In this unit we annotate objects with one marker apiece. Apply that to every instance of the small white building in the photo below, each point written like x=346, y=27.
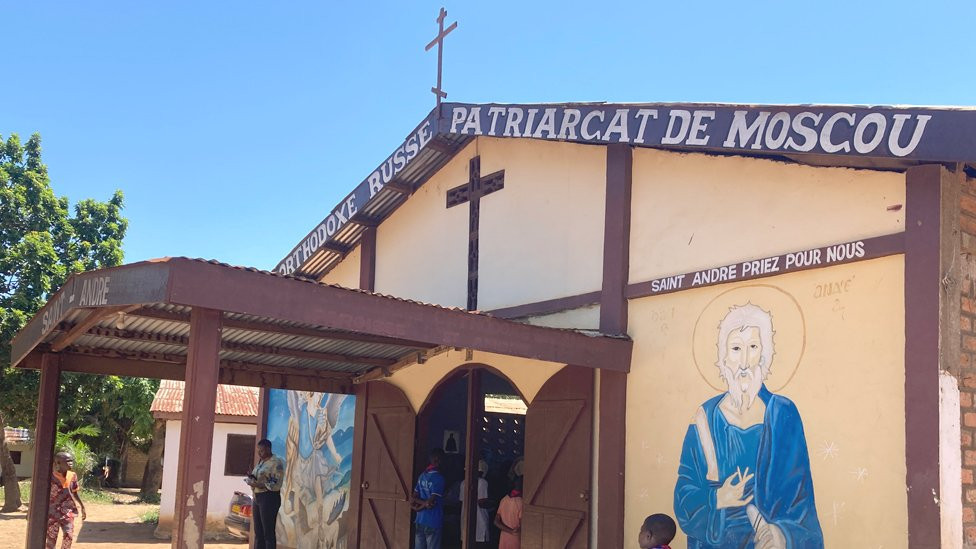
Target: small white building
x=21, y=450
x=233, y=449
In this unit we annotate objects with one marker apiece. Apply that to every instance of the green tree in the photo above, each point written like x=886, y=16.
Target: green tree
x=41, y=243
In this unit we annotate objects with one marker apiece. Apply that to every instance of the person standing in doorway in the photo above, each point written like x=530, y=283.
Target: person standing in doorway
x=484, y=505
x=265, y=480
x=427, y=501
x=64, y=504
x=509, y=518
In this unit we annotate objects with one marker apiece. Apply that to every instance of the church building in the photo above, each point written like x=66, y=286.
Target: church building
x=758, y=320
x=796, y=282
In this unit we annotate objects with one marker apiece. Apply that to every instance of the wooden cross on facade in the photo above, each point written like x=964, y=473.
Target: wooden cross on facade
x=471, y=192
x=439, y=40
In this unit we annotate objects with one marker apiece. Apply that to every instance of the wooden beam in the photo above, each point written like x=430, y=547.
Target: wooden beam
x=77, y=330
x=336, y=247
x=44, y=435
x=399, y=186
x=364, y=220
x=414, y=358
x=265, y=327
x=254, y=293
x=440, y=146
x=196, y=431
x=367, y=260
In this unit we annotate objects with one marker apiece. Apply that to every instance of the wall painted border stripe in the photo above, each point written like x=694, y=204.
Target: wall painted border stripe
x=790, y=262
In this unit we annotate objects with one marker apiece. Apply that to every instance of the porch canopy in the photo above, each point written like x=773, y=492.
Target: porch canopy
x=206, y=323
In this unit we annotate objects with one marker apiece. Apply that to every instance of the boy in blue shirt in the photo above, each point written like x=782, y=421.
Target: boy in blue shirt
x=427, y=502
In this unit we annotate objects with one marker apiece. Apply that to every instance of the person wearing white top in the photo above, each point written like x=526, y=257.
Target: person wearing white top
x=481, y=534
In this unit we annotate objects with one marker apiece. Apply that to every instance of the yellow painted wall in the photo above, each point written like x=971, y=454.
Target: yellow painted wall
x=848, y=387
x=692, y=211
x=541, y=237
x=418, y=380
x=346, y=273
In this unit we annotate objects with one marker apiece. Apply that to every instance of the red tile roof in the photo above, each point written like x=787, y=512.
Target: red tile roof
x=13, y=434
x=232, y=400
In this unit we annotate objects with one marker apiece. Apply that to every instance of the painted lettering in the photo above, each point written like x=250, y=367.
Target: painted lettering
x=585, y=130
x=803, y=259
x=697, y=135
x=644, y=115
x=842, y=252
x=667, y=284
x=94, y=292
x=780, y=122
x=673, y=135
x=458, y=115
x=618, y=125
x=473, y=122
x=894, y=138
x=740, y=132
x=547, y=124
x=494, y=113
x=512, y=122
x=808, y=133
x=571, y=119
x=874, y=119
x=825, y=138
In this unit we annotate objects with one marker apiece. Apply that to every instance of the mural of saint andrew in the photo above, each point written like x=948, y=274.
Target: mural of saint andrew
x=744, y=479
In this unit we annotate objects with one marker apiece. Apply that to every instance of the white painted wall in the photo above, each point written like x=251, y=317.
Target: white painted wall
x=222, y=488
x=584, y=318
x=950, y=462
x=346, y=273
x=541, y=237
x=26, y=466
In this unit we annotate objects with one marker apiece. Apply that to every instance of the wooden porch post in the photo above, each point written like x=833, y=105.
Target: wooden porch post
x=44, y=434
x=196, y=436
x=613, y=320
x=931, y=208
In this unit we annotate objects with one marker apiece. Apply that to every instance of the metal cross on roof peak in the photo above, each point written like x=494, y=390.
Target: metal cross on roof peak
x=439, y=40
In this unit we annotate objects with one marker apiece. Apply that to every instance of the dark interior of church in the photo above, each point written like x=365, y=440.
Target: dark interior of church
x=498, y=421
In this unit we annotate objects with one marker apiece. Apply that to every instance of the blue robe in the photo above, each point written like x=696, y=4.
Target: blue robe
x=776, y=451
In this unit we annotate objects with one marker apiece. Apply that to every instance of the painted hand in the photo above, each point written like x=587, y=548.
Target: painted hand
x=730, y=493
x=769, y=536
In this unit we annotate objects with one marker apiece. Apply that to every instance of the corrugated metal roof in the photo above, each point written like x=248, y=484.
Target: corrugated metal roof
x=232, y=400
x=146, y=327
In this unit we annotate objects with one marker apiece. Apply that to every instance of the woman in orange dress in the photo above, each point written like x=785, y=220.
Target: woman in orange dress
x=508, y=519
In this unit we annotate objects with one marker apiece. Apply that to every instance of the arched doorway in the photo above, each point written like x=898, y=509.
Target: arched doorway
x=477, y=416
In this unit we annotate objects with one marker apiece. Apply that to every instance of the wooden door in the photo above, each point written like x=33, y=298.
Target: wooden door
x=558, y=440
x=387, y=465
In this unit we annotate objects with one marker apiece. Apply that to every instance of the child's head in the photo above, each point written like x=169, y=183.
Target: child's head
x=658, y=529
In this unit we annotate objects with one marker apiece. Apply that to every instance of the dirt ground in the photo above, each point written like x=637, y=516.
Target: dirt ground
x=109, y=526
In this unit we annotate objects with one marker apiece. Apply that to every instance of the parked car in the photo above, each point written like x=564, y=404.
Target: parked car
x=238, y=520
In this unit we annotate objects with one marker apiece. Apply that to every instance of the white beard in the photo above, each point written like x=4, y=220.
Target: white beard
x=743, y=385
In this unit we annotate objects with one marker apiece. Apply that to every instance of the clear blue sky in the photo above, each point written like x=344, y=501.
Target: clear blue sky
x=234, y=127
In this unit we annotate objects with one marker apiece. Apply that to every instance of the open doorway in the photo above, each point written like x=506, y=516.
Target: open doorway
x=477, y=417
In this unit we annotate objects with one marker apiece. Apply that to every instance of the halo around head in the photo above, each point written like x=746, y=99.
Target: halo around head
x=788, y=324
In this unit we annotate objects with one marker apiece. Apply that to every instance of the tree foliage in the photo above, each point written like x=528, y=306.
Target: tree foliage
x=42, y=242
